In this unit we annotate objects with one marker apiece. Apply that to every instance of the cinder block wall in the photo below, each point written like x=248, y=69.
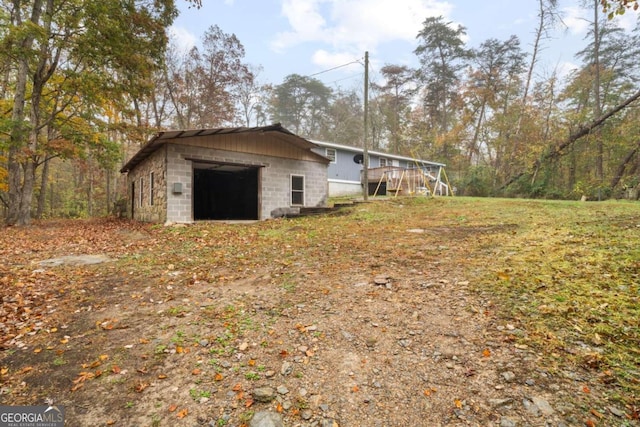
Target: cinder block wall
x=275, y=177
x=143, y=209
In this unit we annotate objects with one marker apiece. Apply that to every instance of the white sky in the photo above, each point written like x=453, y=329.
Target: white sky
x=309, y=36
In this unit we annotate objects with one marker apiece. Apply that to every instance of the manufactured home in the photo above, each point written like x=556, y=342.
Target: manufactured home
x=388, y=173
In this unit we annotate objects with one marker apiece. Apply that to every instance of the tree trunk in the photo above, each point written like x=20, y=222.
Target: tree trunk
x=620, y=172
x=474, y=149
x=597, y=102
x=90, y=192
x=20, y=165
x=108, y=190
x=44, y=182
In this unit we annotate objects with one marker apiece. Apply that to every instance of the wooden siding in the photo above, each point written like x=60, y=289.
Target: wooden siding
x=261, y=144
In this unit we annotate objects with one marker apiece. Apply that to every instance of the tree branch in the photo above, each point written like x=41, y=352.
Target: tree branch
x=582, y=131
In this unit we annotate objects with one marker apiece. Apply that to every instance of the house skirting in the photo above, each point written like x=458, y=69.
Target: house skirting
x=339, y=187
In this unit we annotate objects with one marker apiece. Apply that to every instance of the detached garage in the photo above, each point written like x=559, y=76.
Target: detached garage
x=224, y=174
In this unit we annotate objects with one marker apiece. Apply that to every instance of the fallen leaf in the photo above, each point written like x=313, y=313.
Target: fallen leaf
x=162, y=376
x=503, y=276
x=196, y=371
x=103, y=357
x=115, y=369
x=354, y=389
x=486, y=352
x=111, y=422
x=183, y=413
x=248, y=403
x=37, y=350
x=140, y=387
x=586, y=389
x=218, y=377
x=597, y=339
x=77, y=386
x=237, y=387
x=172, y=408
x=458, y=403
x=429, y=391
x=279, y=408
x=590, y=423
x=251, y=362
x=596, y=414
x=83, y=376
x=4, y=371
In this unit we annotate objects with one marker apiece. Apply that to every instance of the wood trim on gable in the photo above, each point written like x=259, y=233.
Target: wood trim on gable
x=265, y=145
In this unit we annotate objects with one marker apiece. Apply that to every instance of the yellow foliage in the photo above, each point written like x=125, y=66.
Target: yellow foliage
x=4, y=175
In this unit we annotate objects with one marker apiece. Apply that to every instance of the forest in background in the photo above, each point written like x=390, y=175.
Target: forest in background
x=83, y=83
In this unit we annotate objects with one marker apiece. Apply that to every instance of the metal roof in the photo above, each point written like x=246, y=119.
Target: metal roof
x=163, y=137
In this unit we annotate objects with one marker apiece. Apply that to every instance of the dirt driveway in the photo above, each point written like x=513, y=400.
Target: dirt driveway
x=370, y=317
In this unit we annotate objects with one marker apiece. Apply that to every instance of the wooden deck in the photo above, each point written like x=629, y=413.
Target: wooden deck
x=405, y=181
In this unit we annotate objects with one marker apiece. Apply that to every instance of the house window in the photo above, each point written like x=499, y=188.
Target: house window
x=141, y=191
x=151, y=189
x=297, y=190
x=330, y=153
x=383, y=162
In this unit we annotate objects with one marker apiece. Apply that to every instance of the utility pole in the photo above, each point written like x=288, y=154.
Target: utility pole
x=365, y=151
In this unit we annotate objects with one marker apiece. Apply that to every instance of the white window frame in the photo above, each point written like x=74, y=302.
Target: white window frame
x=334, y=158
x=292, y=191
x=382, y=162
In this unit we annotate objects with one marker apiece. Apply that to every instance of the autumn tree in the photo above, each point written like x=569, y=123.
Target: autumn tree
x=606, y=78
x=252, y=96
x=301, y=104
x=442, y=53
x=113, y=45
x=394, y=99
x=493, y=86
x=344, y=119
x=618, y=7
x=203, y=85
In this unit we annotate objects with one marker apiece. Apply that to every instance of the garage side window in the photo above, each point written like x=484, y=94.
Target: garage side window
x=141, y=191
x=330, y=153
x=151, y=188
x=297, y=190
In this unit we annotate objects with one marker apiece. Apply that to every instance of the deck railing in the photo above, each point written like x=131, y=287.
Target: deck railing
x=405, y=181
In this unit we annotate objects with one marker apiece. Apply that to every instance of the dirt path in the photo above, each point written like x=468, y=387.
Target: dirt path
x=372, y=339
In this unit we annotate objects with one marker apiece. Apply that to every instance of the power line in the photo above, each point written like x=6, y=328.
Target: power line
x=345, y=78
x=335, y=68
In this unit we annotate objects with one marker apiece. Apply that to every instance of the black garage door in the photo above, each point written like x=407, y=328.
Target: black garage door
x=223, y=191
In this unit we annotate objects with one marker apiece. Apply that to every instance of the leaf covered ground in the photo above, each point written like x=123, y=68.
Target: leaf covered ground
x=447, y=311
